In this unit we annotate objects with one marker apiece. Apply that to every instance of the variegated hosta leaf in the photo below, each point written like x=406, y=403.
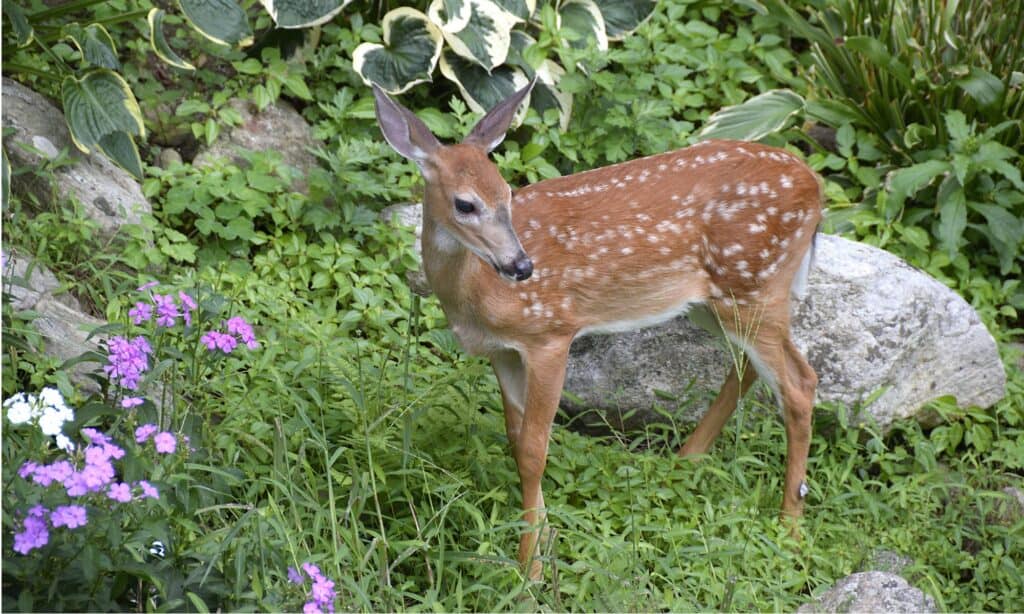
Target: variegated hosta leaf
x=754, y=118
x=94, y=43
x=222, y=21
x=486, y=36
x=98, y=107
x=408, y=56
x=23, y=32
x=523, y=9
x=545, y=94
x=482, y=90
x=623, y=16
x=159, y=44
x=584, y=18
x=450, y=15
x=303, y=13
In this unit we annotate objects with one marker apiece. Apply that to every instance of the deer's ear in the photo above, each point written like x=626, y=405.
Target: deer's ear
x=405, y=132
x=490, y=131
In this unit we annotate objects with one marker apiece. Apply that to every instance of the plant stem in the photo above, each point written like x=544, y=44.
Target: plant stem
x=42, y=74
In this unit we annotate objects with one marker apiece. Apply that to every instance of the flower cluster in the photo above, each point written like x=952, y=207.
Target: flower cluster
x=238, y=331
x=165, y=442
x=164, y=307
x=47, y=410
x=35, y=533
x=127, y=360
x=321, y=594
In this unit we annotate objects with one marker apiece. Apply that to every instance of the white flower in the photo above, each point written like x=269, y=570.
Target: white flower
x=51, y=422
x=52, y=397
x=64, y=443
x=20, y=408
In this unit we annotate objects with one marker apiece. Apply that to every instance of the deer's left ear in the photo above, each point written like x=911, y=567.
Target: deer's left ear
x=490, y=131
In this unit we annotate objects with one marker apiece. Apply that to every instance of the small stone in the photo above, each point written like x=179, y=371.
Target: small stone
x=168, y=157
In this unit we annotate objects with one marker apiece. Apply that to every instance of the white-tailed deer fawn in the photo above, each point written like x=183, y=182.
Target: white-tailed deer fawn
x=726, y=226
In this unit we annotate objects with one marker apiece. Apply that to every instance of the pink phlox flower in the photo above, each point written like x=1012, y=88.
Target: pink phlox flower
x=28, y=469
x=165, y=443
x=142, y=312
x=311, y=607
x=189, y=306
x=166, y=309
x=96, y=436
x=312, y=570
x=129, y=402
x=148, y=490
x=59, y=471
x=144, y=432
x=70, y=516
x=323, y=591
x=119, y=491
x=34, y=534
x=294, y=576
x=128, y=360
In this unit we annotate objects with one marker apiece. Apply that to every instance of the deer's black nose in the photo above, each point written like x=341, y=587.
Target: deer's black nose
x=523, y=267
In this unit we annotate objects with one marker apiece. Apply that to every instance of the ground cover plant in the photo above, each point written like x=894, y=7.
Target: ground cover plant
x=333, y=448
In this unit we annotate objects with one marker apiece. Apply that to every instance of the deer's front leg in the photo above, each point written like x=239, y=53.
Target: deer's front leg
x=543, y=370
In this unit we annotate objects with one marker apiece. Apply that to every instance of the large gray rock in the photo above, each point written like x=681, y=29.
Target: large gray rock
x=108, y=194
x=278, y=128
x=869, y=323
x=59, y=318
x=871, y=592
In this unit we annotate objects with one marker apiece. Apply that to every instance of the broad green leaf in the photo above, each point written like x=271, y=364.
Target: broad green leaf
x=119, y=147
x=98, y=104
x=486, y=37
x=303, y=13
x=754, y=118
x=412, y=45
x=984, y=87
x=905, y=182
x=158, y=43
x=480, y=89
x=23, y=32
x=222, y=21
x=952, y=213
x=846, y=136
x=94, y=43
x=956, y=126
x=584, y=18
x=621, y=17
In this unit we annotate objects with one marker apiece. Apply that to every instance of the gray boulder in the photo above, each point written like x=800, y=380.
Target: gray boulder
x=278, y=128
x=869, y=324
x=108, y=194
x=871, y=592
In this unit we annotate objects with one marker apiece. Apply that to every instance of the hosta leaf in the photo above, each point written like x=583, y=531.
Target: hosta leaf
x=584, y=18
x=159, y=44
x=486, y=37
x=303, y=13
x=984, y=87
x=23, y=32
x=754, y=118
x=450, y=15
x=98, y=104
x=94, y=43
x=546, y=95
x=522, y=9
x=412, y=45
x=480, y=89
x=623, y=16
x=119, y=147
x=222, y=21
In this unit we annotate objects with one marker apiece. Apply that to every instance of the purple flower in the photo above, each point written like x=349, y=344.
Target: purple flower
x=166, y=309
x=294, y=576
x=312, y=570
x=142, y=312
x=148, y=490
x=321, y=594
x=128, y=360
x=35, y=534
x=119, y=491
x=165, y=443
x=129, y=402
x=29, y=468
x=189, y=304
x=70, y=516
x=56, y=472
x=238, y=326
x=148, y=285
x=311, y=607
x=216, y=340
x=144, y=432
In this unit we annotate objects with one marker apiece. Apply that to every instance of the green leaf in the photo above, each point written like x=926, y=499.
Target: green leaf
x=221, y=21
x=984, y=87
x=917, y=134
x=1004, y=225
x=956, y=126
x=584, y=18
x=621, y=17
x=905, y=182
x=98, y=104
x=303, y=13
x=480, y=89
x=846, y=136
x=755, y=118
x=121, y=149
x=412, y=45
x=879, y=55
x=952, y=215
x=485, y=37
x=522, y=9
x=94, y=43
x=23, y=32
x=159, y=44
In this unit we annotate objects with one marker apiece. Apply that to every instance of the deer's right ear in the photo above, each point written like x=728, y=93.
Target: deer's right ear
x=405, y=132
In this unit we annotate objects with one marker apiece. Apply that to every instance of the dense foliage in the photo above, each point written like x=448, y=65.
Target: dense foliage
x=353, y=435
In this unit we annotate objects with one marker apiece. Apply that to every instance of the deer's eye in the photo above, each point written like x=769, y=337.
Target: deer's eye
x=464, y=206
